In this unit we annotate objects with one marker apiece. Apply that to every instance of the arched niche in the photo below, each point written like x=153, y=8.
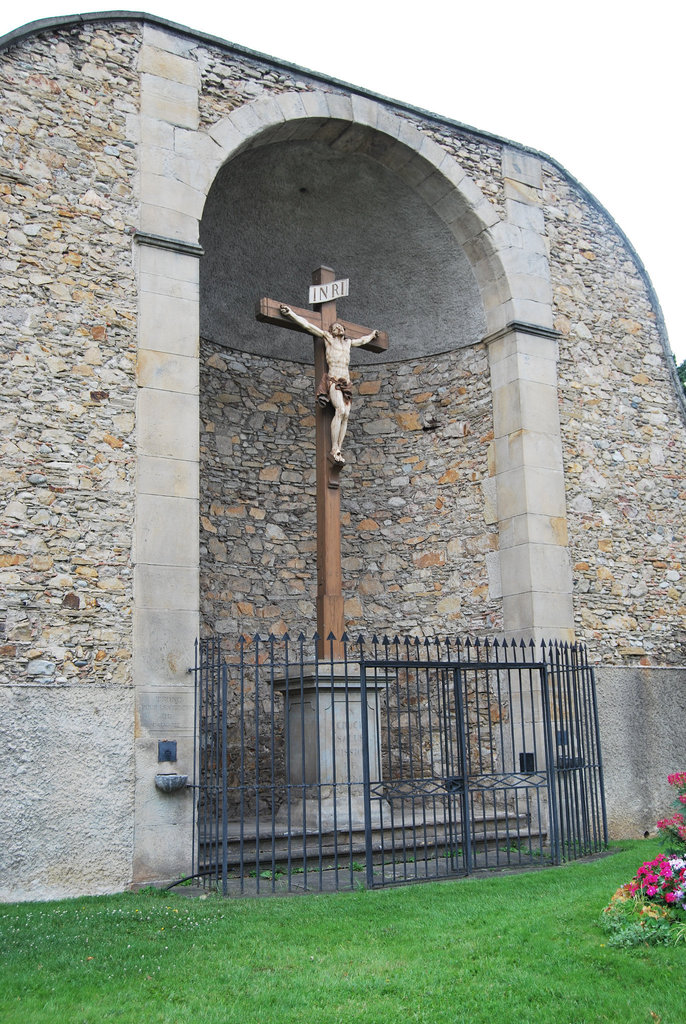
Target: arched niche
x=279, y=209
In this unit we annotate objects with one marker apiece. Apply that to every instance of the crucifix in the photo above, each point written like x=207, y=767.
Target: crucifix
x=332, y=342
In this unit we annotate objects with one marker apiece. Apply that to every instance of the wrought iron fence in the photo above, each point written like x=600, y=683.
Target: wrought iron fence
x=406, y=760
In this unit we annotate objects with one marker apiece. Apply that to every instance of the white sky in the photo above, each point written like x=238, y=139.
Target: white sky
x=598, y=85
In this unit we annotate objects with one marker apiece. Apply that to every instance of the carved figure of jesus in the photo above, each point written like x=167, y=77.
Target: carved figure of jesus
x=335, y=386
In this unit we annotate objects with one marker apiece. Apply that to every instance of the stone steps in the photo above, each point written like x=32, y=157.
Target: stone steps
x=426, y=835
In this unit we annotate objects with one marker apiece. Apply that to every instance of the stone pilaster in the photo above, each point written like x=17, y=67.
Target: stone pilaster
x=166, y=539
x=526, y=462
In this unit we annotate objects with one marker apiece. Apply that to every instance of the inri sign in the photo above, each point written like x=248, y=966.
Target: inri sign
x=329, y=292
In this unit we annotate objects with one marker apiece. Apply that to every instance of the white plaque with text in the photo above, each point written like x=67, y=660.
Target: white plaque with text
x=329, y=292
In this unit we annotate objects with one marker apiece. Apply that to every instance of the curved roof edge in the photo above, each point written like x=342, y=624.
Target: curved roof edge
x=64, y=21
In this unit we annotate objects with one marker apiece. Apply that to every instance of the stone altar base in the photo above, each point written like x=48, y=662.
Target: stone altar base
x=324, y=729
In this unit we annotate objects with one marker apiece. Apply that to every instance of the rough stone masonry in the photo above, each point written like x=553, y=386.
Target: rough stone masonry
x=519, y=468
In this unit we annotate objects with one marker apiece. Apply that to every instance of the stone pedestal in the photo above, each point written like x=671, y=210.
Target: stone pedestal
x=325, y=714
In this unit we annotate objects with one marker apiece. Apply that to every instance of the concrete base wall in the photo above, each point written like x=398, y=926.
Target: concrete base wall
x=643, y=736
x=66, y=803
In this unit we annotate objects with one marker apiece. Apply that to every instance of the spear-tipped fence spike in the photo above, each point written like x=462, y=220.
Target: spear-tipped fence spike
x=344, y=638
x=286, y=637
x=375, y=639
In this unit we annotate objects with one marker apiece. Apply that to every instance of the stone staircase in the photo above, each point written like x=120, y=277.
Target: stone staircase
x=398, y=832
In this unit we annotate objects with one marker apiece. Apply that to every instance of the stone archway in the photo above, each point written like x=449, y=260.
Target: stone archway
x=274, y=211
x=179, y=163
x=353, y=125
x=277, y=210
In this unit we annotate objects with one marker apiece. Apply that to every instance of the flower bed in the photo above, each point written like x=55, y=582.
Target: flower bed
x=651, y=908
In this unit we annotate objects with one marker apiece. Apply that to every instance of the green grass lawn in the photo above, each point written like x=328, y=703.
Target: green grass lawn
x=508, y=949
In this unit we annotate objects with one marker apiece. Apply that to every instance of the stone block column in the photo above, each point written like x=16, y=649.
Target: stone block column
x=526, y=491
x=166, y=551
x=532, y=569
x=526, y=462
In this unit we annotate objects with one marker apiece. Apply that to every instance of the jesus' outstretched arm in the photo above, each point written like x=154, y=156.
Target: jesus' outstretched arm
x=287, y=311
x=358, y=342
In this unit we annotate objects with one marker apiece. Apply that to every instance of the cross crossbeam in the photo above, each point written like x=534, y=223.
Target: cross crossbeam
x=268, y=312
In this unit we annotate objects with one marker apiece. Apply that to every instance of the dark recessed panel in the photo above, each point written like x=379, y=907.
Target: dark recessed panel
x=278, y=211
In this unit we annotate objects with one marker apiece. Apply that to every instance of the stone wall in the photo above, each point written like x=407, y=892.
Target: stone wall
x=622, y=423
x=67, y=347
x=624, y=441
x=421, y=545
x=641, y=715
x=66, y=814
x=418, y=532
x=230, y=79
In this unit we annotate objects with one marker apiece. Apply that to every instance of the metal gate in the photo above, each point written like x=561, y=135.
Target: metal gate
x=406, y=760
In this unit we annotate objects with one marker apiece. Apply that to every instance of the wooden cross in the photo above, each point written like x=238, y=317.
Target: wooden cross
x=329, y=578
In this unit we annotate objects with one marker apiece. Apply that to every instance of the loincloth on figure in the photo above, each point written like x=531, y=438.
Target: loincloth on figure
x=340, y=383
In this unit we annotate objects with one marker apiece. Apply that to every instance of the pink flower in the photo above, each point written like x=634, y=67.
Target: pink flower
x=650, y=890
